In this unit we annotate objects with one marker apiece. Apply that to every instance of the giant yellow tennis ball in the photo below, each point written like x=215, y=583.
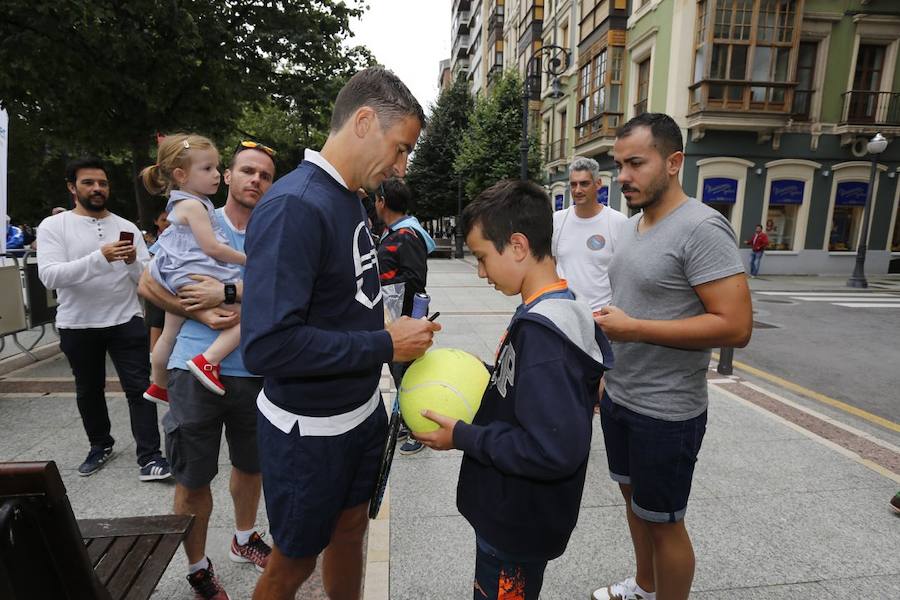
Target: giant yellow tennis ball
x=446, y=381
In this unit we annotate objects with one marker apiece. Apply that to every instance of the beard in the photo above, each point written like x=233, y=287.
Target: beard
x=90, y=206
x=652, y=193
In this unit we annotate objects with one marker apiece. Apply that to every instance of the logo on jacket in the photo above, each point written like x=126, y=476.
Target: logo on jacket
x=596, y=242
x=505, y=372
x=368, y=287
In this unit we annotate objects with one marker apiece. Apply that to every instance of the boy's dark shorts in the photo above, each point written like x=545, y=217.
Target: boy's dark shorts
x=194, y=424
x=655, y=457
x=309, y=480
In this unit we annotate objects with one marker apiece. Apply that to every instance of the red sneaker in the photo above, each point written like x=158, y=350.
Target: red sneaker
x=207, y=373
x=255, y=551
x=206, y=585
x=157, y=394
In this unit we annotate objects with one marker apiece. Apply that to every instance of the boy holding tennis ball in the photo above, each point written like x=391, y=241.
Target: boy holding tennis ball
x=526, y=451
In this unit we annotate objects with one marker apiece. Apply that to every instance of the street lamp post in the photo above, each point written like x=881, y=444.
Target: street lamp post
x=458, y=229
x=875, y=147
x=557, y=63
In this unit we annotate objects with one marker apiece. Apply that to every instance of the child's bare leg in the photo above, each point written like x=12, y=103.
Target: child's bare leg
x=227, y=341
x=159, y=358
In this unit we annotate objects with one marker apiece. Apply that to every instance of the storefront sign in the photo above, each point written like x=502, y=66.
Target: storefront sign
x=851, y=193
x=603, y=196
x=559, y=201
x=786, y=191
x=720, y=190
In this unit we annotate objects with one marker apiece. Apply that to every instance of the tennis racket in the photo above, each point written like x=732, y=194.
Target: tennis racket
x=387, y=457
x=387, y=454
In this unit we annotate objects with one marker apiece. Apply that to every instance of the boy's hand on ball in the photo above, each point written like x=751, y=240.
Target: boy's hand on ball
x=442, y=439
x=411, y=337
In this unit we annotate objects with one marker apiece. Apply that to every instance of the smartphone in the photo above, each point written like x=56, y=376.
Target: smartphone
x=126, y=236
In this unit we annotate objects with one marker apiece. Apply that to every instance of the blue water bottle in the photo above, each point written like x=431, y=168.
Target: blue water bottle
x=420, y=306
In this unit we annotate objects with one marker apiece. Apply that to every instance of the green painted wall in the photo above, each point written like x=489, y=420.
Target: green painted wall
x=840, y=50
x=662, y=19
x=838, y=70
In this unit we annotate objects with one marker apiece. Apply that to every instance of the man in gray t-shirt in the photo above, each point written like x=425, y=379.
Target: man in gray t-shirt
x=678, y=289
x=653, y=276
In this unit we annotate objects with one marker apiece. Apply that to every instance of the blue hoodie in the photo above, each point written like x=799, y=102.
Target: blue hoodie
x=526, y=451
x=410, y=221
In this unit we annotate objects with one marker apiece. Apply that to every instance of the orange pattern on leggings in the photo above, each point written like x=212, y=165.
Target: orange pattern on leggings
x=511, y=588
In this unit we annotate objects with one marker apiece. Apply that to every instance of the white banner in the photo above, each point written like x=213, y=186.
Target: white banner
x=4, y=147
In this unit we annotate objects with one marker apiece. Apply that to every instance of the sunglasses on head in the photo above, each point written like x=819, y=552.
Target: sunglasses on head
x=250, y=145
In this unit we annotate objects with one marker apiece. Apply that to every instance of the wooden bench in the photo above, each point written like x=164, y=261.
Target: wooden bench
x=443, y=248
x=46, y=553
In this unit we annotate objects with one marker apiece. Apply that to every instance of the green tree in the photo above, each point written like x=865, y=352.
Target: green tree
x=104, y=75
x=491, y=148
x=431, y=175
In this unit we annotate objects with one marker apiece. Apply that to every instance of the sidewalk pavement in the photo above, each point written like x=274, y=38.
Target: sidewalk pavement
x=776, y=511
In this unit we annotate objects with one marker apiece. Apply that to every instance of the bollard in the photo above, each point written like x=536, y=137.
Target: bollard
x=726, y=355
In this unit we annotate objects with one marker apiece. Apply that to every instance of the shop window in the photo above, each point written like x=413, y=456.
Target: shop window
x=785, y=199
x=846, y=219
x=720, y=193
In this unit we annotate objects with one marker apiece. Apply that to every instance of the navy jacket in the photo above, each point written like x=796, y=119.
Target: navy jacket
x=526, y=451
x=313, y=318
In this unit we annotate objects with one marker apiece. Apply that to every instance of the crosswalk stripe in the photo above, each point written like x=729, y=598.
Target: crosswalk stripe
x=848, y=293
x=868, y=305
x=845, y=298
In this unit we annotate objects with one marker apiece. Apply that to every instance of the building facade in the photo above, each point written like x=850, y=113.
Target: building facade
x=772, y=136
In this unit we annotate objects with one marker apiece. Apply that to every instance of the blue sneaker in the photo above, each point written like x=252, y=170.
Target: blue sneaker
x=155, y=470
x=411, y=446
x=96, y=458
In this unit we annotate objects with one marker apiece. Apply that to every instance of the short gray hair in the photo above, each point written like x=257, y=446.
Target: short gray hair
x=583, y=163
x=381, y=90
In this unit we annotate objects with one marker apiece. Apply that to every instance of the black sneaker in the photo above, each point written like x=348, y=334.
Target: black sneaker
x=155, y=470
x=402, y=433
x=96, y=458
x=411, y=446
x=206, y=585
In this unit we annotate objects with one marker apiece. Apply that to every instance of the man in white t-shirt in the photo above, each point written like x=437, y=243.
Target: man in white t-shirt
x=584, y=236
x=94, y=259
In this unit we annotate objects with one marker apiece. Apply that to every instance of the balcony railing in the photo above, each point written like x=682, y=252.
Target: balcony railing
x=495, y=72
x=460, y=46
x=602, y=125
x=461, y=23
x=640, y=107
x=556, y=150
x=495, y=22
x=802, y=104
x=742, y=96
x=871, y=108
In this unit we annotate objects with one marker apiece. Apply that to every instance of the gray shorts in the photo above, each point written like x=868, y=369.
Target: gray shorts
x=194, y=424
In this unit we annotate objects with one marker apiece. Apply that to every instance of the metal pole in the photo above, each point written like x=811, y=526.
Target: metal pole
x=525, y=98
x=726, y=356
x=858, y=279
x=458, y=236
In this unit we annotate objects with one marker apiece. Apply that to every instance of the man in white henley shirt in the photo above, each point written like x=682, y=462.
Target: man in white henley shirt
x=584, y=236
x=96, y=275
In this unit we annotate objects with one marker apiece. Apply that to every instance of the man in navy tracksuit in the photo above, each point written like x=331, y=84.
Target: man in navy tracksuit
x=526, y=451
x=316, y=333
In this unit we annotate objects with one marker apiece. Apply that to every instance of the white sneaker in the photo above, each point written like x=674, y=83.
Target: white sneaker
x=623, y=590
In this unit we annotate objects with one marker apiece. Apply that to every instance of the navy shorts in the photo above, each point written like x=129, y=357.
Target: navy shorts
x=655, y=457
x=309, y=480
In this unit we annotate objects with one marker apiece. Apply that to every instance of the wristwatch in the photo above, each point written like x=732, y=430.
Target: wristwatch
x=230, y=293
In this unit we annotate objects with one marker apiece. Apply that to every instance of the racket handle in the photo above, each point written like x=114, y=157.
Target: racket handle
x=420, y=305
